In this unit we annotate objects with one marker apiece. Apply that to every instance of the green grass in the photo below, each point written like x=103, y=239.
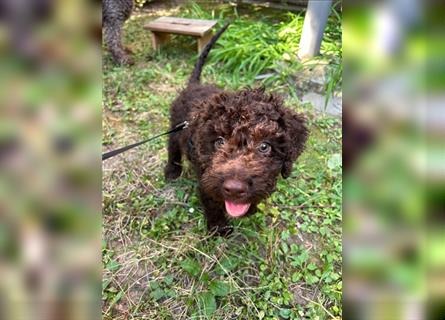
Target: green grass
x=159, y=262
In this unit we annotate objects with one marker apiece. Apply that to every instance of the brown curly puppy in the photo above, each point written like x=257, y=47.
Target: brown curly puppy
x=238, y=142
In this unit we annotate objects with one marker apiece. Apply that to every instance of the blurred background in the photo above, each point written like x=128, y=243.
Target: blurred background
x=394, y=160
x=50, y=168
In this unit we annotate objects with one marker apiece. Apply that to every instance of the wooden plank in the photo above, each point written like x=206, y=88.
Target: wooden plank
x=181, y=26
x=198, y=22
x=197, y=31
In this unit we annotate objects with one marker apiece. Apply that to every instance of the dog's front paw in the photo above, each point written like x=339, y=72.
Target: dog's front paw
x=172, y=172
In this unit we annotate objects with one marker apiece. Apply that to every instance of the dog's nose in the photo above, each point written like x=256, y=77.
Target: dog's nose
x=234, y=188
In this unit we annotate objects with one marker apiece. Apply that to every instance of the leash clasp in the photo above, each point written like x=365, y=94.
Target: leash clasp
x=182, y=125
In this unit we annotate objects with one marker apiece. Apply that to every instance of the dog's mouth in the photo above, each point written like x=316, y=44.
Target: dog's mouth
x=236, y=209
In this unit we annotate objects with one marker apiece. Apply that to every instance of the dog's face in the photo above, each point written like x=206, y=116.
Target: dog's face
x=242, y=142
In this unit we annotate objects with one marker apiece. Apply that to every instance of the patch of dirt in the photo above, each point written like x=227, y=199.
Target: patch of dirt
x=163, y=88
x=297, y=294
x=160, y=8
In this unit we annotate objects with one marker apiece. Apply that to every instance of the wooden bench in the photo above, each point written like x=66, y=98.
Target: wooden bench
x=164, y=26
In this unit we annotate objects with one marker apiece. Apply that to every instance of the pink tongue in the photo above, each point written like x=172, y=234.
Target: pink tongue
x=236, y=209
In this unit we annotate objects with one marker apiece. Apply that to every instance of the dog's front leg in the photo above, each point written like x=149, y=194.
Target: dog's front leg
x=173, y=168
x=216, y=219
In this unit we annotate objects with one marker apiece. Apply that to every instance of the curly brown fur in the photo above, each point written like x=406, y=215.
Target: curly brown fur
x=238, y=143
x=114, y=15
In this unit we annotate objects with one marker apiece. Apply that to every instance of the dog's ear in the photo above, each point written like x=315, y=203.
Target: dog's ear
x=296, y=136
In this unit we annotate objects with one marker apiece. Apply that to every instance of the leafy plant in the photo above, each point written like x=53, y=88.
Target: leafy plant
x=249, y=49
x=334, y=76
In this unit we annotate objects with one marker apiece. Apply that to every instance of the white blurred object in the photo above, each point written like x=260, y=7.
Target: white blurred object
x=391, y=21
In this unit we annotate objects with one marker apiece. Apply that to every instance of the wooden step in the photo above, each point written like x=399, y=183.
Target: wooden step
x=164, y=26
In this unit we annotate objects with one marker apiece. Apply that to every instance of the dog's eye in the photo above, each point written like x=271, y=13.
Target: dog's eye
x=219, y=142
x=264, y=147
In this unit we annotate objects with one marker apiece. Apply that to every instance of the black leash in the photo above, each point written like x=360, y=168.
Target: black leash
x=179, y=127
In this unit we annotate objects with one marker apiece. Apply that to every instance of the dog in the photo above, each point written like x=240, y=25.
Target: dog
x=238, y=144
x=114, y=15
